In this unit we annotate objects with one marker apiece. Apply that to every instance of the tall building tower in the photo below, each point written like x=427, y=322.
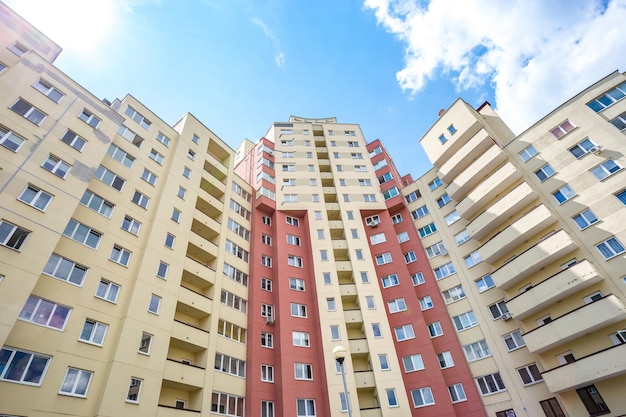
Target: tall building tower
x=533, y=265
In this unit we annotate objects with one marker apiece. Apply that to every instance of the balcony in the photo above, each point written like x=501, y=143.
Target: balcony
x=168, y=411
x=215, y=167
x=481, y=167
x=199, y=275
x=608, y=363
x=353, y=316
x=533, y=259
x=202, y=248
x=474, y=147
x=192, y=338
x=186, y=377
x=501, y=211
x=212, y=186
x=488, y=190
x=364, y=379
x=553, y=289
x=585, y=319
x=335, y=224
x=340, y=244
x=358, y=346
x=205, y=226
x=194, y=304
x=343, y=266
x=371, y=412
x=347, y=290
x=515, y=234
x=209, y=205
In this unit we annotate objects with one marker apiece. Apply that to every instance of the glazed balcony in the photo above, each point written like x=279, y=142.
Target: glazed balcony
x=553, y=289
x=194, y=304
x=533, y=259
x=364, y=379
x=496, y=214
x=485, y=163
x=474, y=147
x=605, y=364
x=578, y=322
x=194, y=338
x=199, y=275
x=515, y=234
x=186, y=377
x=488, y=190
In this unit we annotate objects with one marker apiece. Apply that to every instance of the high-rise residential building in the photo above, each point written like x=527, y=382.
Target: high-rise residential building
x=152, y=270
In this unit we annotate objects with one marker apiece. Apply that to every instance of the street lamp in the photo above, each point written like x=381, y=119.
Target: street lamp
x=339, y=353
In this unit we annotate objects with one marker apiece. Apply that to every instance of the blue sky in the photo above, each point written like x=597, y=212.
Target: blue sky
x=389, y=65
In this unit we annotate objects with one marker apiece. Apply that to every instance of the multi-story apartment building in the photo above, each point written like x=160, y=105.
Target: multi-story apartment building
x=152, y=270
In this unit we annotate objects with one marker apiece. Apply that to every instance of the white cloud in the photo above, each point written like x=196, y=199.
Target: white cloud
x=534, y=54
x=279, y=56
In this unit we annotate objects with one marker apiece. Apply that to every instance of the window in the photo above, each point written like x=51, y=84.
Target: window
x=233, y=301
x=418, y=279
x=585, y=219
x=434, y=184
x=334, y=333
x=452, y=218
x=404, y=332
x=562, y=129
x=182, y=193
x=477, y=350
x=353, y=144
x=349, y=132
x=387, y=176
x=82, y=234
x=582, y=148
x=372, y=220
x=131, y=225
x=137, y=117
x=293, y=240
x=266, y=220
x=356, y=155
x=318, y=215
x=288, y=154
x=298, y=310
x=545, y=172
x=426, y=302
x=141, y=200
x=155, y=304
x=72, y=139
x=76, y=382
x=48, y=90
x=383, y=258
x=65, y=269
x=22, y=366
x=266, y=240
x=403, y=237
x=110, y=178
x=359, y=168
x=465, y=321
x=453, y=294
x=10, y=140
x=120, y=255
x=369, y=302
x=422, y=397
x=605, y=169
x=134, y=390
x=484, y=283
x=300, y=339
x=289, y=168
x=396, y=218
x=410, y=257
x=551, y=408
x=35, y=197
x=303, y=371
x=235, y=274
x=227, y=404
x=609, y=248
x=130, y=136
x=187, y=172
x=305, y=407
x=369, y=198
x=427, y=230
x=390, y=193
x=390, y=280
x=443, y=200
x=148, y=177
x=176, y=215
x=392, y=400
x=296, y=261
x=593, y=401
x=230, y=365
x=377, y=150
x=162, y=270
x=120, y=156
x=310, y=168
x=93, y=332
x=18, y=49
x=462, y=237
x=498, y=309
x=618, y=337
x=237, y=251
x=530, y=374
x=457, y=393
x=607, y=99
x=234, y=332
x=436, y=250
x=365, y=182
x=343, y=398
x=267, y=373
x=88, y=117
x=144, y=343
x=28, y=111
x=191, y=154
x=563, y=194
x=292, y=221
x=296, y=284
x=419, y=212
x=359, y=254
x=527, y=153
x=490, y=384
x=365, y=279
x=412, y=196
x=442, y=139
x=472, y=259
x=396, y=305
x=350, y=215
x=108, y=291
x=378, y=238
x=163, y=139
x=169, y=240
x=45, y=313
x=444, y=271
x=57, y=166
x=377, y=331
x=514, y=340
x=413, y=363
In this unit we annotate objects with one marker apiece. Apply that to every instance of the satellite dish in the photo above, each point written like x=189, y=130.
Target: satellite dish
x=441, y=112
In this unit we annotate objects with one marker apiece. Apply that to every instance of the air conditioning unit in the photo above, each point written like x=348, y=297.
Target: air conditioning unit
x=269, y=320
x=595, y=149
x=372, y=223
x=506, y=316
x=443, y=251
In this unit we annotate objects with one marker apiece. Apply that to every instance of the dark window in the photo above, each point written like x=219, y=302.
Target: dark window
x=552, y=408
x=593, y=401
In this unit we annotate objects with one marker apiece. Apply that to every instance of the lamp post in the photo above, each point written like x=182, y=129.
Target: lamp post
x=339, y=353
